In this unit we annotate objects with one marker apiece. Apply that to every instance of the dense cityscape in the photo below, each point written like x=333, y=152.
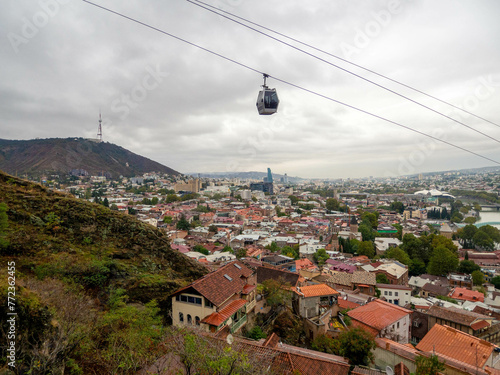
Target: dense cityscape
x=398, y=261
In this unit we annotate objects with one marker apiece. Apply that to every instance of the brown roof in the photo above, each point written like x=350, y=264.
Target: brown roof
x=438, y=290
x=455, y=314
x=456, y=344
x=222, y=284
x=266, y=273
x=357, y=277
x=378, y=314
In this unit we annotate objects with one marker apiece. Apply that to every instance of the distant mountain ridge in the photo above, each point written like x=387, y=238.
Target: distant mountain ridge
x=61, y=155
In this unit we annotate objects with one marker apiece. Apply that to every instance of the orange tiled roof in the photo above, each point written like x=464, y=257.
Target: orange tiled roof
x=303, y=263
x=217, y=318
x=316, y=290
x=467, y=295
x=378, y=314
x=457, y=345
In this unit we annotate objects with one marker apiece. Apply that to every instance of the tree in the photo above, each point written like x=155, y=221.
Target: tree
x=4, y=224
x=442, y=261
x=467, y=234
x=428, y=365
x=256, y=333
x=417, y=267
x=371, y=218
x=201, y=249
x=293, y=199
x=324, y=344
x=291, y=251
x=167, y=219
x=477, y=278
x=228, y=249
x=200, y=354
x=183, y=224
x=276, y=292
x=241, y=252
x=470, y=220
x=321, y=256
x=398, y=207
x=496, y=282
x=273, y=247
x=398, y=254
x=468, y=266
x=381, y=278
x=492, y=232
x=366, y=248
x=367, y=232
x=332, y=204
x=483, y=240
x=356, y=345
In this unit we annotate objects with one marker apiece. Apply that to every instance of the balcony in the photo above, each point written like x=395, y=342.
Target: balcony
x=251, y=305
x=236, y=326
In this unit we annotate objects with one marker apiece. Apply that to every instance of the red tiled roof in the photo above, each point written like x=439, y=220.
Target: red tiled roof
x=247, y=289
x=216, y=287
x=467, y=295
x=456, y=344
x=378, y=314
x=345, y=304
x=479, y=325
x=315, y=290
x=217, y=318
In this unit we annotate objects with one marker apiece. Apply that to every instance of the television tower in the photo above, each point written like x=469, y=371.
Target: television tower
x=99, y=129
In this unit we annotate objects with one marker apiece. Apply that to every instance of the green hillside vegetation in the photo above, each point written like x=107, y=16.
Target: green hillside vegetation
x=91, y=283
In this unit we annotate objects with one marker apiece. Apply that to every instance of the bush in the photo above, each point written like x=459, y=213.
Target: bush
x=256, y=333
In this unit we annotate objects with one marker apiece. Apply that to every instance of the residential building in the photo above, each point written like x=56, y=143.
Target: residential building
x=397, y=294
x=452, y=343
x=383, y=319
x=312, y=300
x=462, y=294
x=463, y=320
x=358, y=280
x=461, y=280
x=223, y=297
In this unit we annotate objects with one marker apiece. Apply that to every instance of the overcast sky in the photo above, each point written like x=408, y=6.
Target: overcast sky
x=63, y=61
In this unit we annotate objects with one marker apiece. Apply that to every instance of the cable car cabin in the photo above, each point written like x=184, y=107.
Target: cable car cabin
x=267, y=101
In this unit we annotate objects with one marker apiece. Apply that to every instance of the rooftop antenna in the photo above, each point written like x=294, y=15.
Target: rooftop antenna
x=99, y=129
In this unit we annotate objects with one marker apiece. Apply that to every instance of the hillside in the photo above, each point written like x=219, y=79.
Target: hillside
x=76, y=264
x=56, y=155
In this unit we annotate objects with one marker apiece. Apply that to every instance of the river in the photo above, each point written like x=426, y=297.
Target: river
x=489, y=217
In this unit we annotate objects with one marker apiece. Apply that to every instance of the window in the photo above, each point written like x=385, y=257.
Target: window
x=398, y=325
x=208, y=303
x=385, y=292
x=396, y=294
x=190, y=320
x=181, y=317
x=190, y=299
x=197, y=320
x=390, y=293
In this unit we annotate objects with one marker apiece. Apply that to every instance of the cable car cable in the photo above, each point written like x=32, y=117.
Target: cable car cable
x=288, y=83
x=346, y=70
x=350, y=62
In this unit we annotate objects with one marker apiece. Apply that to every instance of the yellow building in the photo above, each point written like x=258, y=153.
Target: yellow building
x=223, y=297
